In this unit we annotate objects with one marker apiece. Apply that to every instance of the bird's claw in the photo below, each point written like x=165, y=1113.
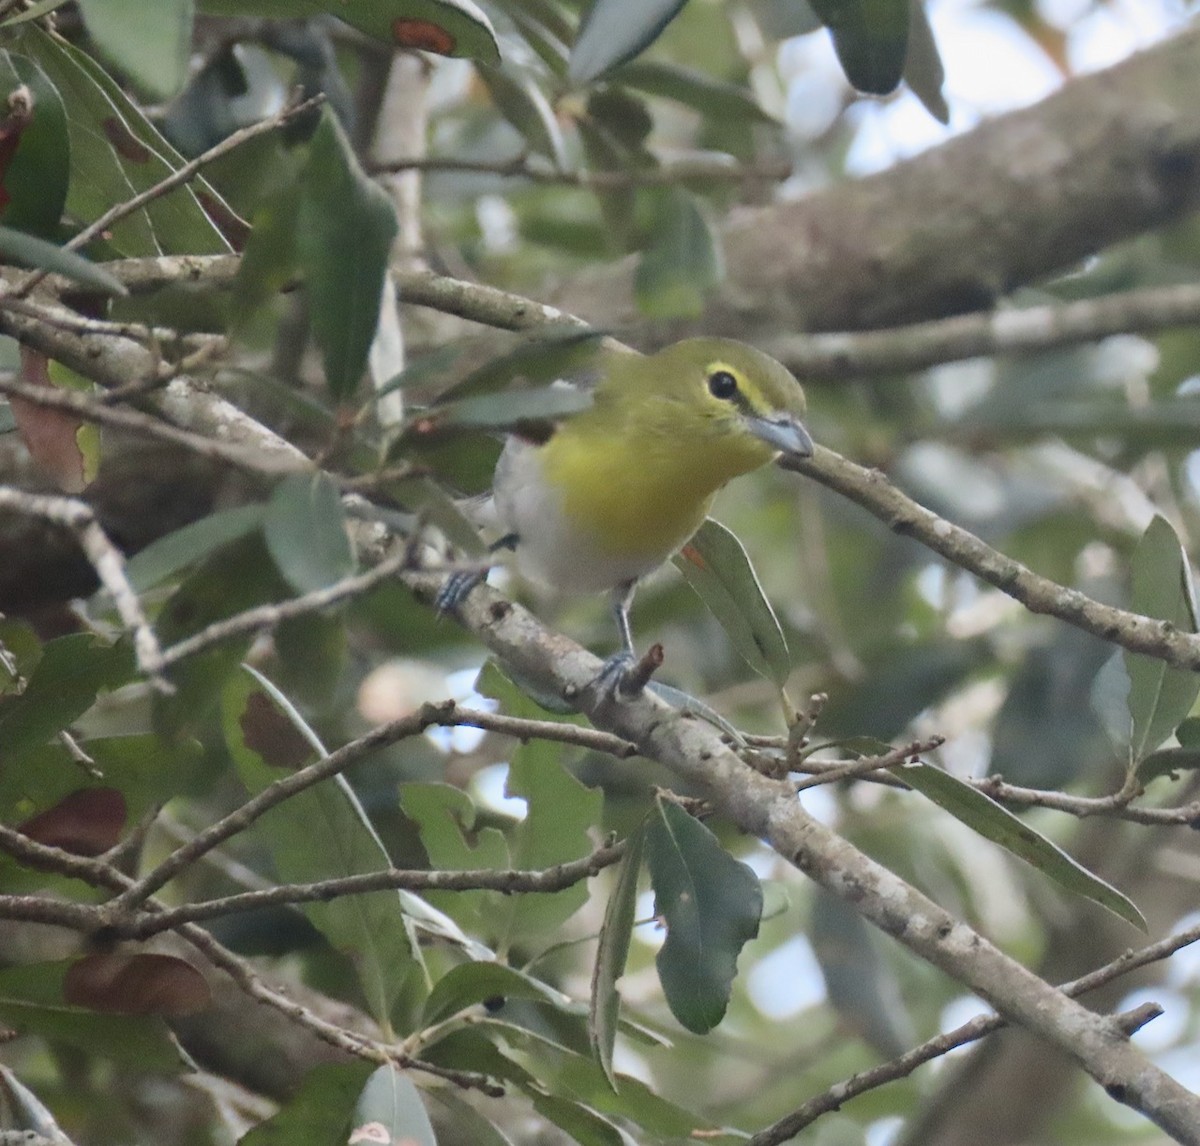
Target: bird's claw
x=455, y=590
x=613, y=672
x=624, y=675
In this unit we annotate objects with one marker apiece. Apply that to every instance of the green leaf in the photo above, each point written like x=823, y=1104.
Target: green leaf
x=345, y=225
x=1185, y=758
x=1160, y=696
x=175, y=551
x=144, y=769
x=234, y=577
x=471, y=1124
x=614, y=31
x=149, y=43
x=1167, y=761
x=320, y=833
x=580, y=1077
x=319, y=1112
x=447, y=27
x=28, y=250
x=522, y=103
x=269, y=261
x=116, y=153
x=710, y=905
x=471, y=983
x=35, y=165
x=32, y=1002
x=714, y=99
x=389, y=1100
x=870, y=38
x=511, y=410
x=682, y=264
x=861, y=986
x=455, y=841
x=305, y=531
x=923, y=70
x=582, y=1123
x=716, y=565
x=559, y=353
x=992, y=821
x=424, y=495
x=611, y=955
x=33, y=12
x=73, y=670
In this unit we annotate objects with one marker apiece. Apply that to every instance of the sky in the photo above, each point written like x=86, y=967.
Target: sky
x=991, y=67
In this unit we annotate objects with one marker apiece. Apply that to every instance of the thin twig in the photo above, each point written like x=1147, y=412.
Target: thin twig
x=977, y=1028
x=668, y=173
x=101, y=874
x=868, y=765
x=446, y=714
x=107, y=561
x=871, y=490
x=147, y=425
x=541, y=881
x=177, y=178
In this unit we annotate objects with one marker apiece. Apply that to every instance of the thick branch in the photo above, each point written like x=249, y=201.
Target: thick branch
x=768, y=809
x=1021, y=197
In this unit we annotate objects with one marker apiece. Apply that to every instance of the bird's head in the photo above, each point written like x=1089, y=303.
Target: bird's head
x=720, y=390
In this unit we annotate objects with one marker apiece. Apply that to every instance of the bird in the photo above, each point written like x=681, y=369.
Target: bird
x=618, y=488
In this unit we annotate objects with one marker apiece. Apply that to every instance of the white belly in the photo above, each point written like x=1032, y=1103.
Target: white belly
x=552, y=549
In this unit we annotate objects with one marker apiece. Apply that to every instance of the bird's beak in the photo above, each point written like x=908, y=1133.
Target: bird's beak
x=784, y=433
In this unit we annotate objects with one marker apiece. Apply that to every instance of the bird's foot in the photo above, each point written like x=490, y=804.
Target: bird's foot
x=455, y=590
x=623, y=675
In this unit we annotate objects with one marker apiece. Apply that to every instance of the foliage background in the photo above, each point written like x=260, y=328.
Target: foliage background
x=727, y=179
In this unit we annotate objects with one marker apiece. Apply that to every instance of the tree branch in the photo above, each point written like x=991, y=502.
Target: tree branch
x=108, y=562
x=768, y=809
x=902, y=1066
x=543, y=881
x=1021, y=197
x=871, y=490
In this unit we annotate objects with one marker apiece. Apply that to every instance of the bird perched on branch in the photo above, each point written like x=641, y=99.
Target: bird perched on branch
x=621, y=486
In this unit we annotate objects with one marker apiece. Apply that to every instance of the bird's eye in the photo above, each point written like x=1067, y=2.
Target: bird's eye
x=722, y=384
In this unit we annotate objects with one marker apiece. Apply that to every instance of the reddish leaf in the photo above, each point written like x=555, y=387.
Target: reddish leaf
x=268, y=732
x=235, y=229
x=138, y=984
x=124, y=142
x=422, y=34
x=85, y=823
x=49, y=435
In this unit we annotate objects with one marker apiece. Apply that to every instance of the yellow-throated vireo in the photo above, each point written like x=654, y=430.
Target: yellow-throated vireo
x=621, y=486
